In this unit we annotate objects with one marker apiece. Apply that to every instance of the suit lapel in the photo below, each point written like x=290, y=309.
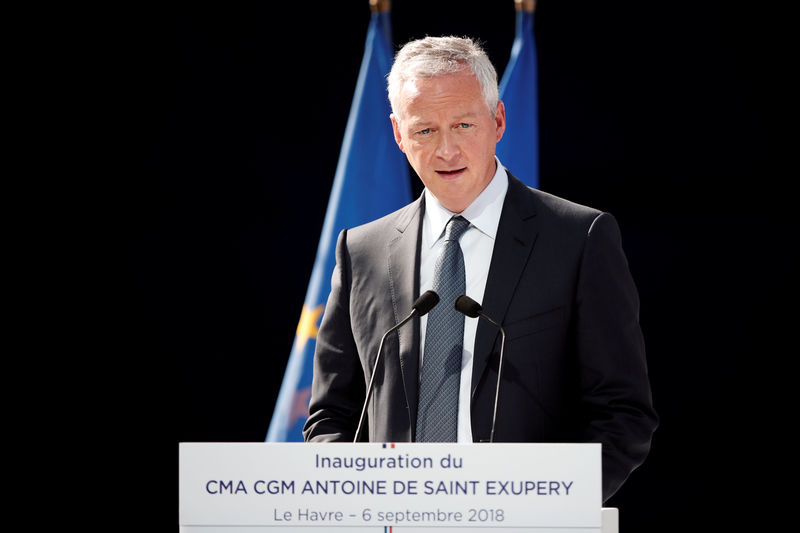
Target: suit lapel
x=516, y=236
x=403, y=265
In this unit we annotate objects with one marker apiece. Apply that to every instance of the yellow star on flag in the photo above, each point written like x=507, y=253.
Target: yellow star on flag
x=307, y=327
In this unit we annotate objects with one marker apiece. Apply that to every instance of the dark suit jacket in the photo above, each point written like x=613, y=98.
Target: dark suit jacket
x=574, y=367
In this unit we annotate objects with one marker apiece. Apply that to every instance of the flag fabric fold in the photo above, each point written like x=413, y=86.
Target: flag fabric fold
x=518, y=150
x=371, y=181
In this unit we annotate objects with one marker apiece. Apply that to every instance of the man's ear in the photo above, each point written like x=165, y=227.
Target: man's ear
x=500, y=119
x=398, y=138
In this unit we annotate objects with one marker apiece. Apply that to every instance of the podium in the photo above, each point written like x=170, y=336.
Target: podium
x=392, y=487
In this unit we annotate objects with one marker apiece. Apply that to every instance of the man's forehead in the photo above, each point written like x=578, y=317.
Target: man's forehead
x=447, y=89
x=411, y=89
x=422, y=119
x=413, y=85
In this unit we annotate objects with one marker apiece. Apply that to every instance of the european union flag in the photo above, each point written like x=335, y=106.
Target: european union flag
x=371, y=180
x=518, y=150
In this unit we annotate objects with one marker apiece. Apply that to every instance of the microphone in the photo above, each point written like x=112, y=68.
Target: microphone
x=466, y=305
x=421, y=306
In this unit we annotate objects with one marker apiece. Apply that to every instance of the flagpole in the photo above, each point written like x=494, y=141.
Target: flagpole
x=522, y=5
x=380, y=6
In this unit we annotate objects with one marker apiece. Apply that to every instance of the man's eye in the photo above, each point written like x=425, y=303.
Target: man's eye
x=425, y=131
x=464, y=125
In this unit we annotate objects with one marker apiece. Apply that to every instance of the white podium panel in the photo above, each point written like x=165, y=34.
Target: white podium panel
x=296, y=487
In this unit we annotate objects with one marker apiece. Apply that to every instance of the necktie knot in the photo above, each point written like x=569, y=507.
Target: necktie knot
x=456, y=227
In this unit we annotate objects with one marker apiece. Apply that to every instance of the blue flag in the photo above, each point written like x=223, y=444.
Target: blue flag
x=518, y=150
x=371, y=181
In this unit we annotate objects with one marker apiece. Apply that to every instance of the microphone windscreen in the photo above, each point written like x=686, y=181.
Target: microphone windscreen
x=468, y=306
x=426, y=302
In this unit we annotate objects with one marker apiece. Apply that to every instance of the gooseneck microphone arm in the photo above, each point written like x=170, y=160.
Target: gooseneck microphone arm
x=466, y=305
x=421, y=306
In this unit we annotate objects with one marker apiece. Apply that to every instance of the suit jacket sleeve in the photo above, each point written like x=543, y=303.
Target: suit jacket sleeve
x=616, y=398
x=338, y=389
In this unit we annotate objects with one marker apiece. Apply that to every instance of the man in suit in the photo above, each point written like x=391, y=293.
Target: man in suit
x=552, y=272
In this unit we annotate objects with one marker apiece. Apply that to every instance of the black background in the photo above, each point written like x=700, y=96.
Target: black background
x=664, y=114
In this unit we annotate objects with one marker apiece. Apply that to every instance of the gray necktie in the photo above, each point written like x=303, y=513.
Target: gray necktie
x=437, y=416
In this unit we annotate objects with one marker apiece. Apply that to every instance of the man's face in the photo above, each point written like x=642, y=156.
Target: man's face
x=449, y=136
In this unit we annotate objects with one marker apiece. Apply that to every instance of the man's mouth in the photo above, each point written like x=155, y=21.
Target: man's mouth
x=451, y=173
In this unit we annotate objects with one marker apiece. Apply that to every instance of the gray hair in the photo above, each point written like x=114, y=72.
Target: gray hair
x=437, y=56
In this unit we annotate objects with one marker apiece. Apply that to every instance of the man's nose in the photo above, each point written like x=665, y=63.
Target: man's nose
x=448, y=147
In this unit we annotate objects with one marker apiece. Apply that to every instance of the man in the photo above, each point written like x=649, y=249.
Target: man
x=553, y=273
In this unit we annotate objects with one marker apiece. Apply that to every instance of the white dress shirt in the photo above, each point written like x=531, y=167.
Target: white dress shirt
x=477, y=244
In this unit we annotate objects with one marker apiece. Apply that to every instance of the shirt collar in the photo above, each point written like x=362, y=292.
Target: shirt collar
x=483, y=213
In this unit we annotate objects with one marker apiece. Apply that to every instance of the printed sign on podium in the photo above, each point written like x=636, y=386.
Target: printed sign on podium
x=269, y=487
